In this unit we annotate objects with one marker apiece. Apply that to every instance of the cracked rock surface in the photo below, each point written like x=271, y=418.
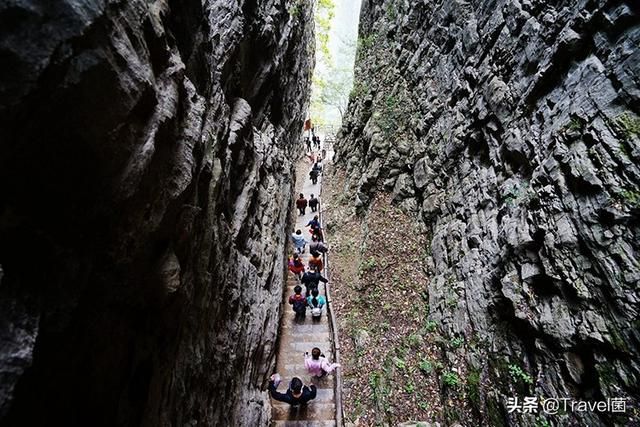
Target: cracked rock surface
x=511, y=130
x=146, y=168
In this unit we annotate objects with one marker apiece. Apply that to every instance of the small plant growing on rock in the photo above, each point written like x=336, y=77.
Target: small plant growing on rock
x=374, y=379
x=624, y=150
x=425, y=367
x=369, y=264
x=632, y=198
x=575, y=124
x=367, y=41
x=541, y=422
x=359, y=90
x=414, y=340
x=450, y=379
x=410, y=387
x=456, y=342
x=628, y=124
x=399, y=363
x=294, y=11
x=473, y=388
x=431, y=325
x=392, y=12
x=517, y=373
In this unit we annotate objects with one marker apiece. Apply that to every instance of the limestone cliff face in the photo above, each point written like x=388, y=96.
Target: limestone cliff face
x=511, y=129
x=145, y=178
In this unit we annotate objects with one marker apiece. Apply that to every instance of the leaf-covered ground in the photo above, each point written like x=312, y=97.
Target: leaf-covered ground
x=392, y=353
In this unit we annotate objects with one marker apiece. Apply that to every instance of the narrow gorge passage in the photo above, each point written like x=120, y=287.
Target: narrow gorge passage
x=482, y=208
x=299, y=336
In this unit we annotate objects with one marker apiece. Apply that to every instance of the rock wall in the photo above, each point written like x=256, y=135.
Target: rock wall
x=146, y=169
x=511, y=129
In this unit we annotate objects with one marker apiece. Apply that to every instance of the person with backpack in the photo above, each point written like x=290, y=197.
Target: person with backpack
x=311, y=279
x=317, y=364
x=317, y=233
x=316, y=261
x=301, y=204
x=317, y=246
x=313, y=203
x=298, y=302
x=297, y=394
x=313, y=174
x=296, y=266
x=299, y=241
x=314, y=223
x=316, y=301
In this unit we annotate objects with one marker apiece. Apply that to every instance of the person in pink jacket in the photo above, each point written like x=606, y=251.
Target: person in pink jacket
x=317, y=364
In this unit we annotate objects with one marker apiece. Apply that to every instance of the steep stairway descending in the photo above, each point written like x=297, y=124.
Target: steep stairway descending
x=300, y=336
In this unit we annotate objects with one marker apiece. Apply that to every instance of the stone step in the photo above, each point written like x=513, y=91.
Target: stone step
x=290, y=370
x=317, y=334
x=312, y=411
x=304, y=423
x=306, y=324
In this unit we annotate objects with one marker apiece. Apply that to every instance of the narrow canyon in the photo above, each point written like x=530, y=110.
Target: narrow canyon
x=486, y=168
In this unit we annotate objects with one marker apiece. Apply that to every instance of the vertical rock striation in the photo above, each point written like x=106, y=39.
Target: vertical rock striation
x=512, y=130
x=146, y=155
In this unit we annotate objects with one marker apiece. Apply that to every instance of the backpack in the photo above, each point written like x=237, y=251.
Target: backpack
x=299, y=306
x=315, y=310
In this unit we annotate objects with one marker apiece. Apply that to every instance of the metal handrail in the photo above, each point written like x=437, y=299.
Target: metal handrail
x=333, y=324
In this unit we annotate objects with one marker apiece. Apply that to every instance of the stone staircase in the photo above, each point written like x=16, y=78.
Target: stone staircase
x=298, y=336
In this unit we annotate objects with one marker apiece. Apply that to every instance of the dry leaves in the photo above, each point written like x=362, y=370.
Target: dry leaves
x=378, y=284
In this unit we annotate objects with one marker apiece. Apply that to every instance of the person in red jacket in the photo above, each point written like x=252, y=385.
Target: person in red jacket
x=298, y=302
x=316, y=261
x=296, y=266
x=301, y=204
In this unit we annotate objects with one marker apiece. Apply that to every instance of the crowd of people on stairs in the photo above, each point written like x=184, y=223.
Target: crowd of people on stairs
x=310, y=276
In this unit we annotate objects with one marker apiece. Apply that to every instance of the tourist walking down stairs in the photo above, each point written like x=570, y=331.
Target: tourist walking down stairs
x=317, y=364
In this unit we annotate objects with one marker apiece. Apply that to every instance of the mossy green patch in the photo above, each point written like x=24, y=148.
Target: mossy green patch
x=473, y=388
x=628, y=124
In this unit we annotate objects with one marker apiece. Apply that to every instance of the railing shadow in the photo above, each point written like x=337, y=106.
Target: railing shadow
x=333, y=324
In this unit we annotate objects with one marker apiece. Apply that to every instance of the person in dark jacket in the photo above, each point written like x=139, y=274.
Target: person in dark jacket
x=314, y=176
x=311, y=279
x=315, y=228
x=317, y=233
x=313, y=203
x=297, y=394
x=317, y=246
x=314, y=223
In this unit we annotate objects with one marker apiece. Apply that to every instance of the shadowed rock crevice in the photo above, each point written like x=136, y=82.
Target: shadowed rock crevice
x=144, y=195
